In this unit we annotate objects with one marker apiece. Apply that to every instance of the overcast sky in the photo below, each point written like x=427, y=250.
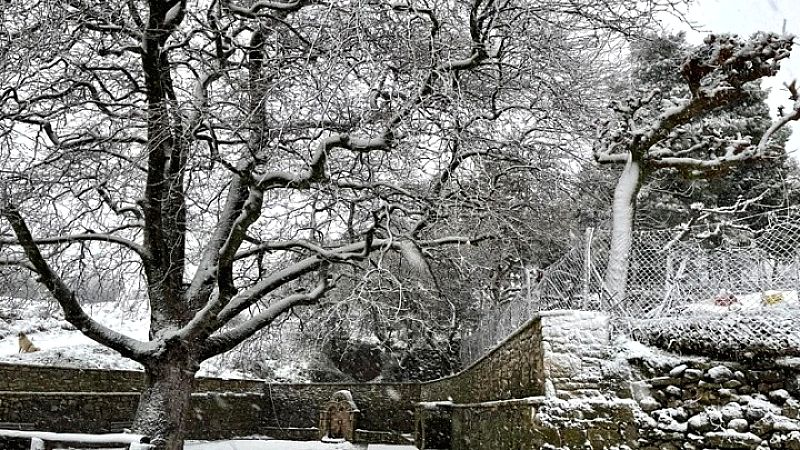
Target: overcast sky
x=745, y=17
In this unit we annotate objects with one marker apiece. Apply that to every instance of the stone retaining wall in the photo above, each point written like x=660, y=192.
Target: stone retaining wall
x=702, y=404
x=515, y=396
x=540, y=422
x=100, y=401
x=513, y=369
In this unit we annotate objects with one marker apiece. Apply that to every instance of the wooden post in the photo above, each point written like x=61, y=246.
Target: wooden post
x=37, y=444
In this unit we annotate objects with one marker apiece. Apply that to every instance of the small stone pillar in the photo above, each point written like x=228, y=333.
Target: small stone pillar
x=337, y=419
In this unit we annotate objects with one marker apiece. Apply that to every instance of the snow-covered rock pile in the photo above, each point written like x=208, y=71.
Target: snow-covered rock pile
x=704, y=405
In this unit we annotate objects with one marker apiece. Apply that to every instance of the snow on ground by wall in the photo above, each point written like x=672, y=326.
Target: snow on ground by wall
x=289, y=445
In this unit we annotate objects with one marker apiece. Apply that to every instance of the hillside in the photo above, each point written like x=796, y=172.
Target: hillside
x=63, y=346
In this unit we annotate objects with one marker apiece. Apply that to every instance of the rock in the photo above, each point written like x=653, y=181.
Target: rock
x=745, y=399
x=678, y=371
x=764, y=445
x=732, y=384
x=706, y=385
x=679, y=414
x=779, y=396
x=649, y=404
x=705, y=421
x=729, y=394
x=731, y=411
x=757, y=409
x=693, y=374
x=639, y=390
x=791, y=409
x=732, y=440
x=674, y=391
x=673, y=426
x=763, y=425
x=786, y=425
x=792, y=441
x=719, y=374
x=739, y=425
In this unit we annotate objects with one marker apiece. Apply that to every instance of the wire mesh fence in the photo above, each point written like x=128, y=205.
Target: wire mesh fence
x=725, y=291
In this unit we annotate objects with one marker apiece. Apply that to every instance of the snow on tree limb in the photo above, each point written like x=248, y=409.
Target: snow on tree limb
x=717, y=75
x=648, y=135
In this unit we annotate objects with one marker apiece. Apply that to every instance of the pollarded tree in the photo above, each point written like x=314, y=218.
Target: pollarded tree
x=659, y=130
x=228, y=153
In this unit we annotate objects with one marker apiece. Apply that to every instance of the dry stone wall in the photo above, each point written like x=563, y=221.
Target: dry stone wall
x=705, y=404
x=101, y=401
x=513, y=369
x=33, y=378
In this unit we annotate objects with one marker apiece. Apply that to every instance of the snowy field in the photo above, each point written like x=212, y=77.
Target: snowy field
x=63, y=346
x=60, y=343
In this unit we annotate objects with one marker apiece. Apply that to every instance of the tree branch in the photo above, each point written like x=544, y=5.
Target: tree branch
x=229, y=339
x=73, y=312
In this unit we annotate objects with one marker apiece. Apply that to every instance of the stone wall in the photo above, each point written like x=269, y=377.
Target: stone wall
x=597, y=396
x=518, y=395
x=559, y=382
x=382, y=406
x=99, y=401
x=33, y=378
x=577, y=347
x=700, y=404
x=540, y=422
x=88, y=412
x=513, y=369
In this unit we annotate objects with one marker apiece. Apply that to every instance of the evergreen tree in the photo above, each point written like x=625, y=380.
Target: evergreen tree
x=735, y=193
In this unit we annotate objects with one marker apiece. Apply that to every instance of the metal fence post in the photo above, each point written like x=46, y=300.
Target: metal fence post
x=587, y=271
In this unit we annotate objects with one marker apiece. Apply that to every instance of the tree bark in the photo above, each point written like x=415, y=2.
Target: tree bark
x=164, y=404
x=623, y=209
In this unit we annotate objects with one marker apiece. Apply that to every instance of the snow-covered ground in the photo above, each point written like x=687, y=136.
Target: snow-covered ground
x=289, y=445
x=63, y=346
x=60, y=343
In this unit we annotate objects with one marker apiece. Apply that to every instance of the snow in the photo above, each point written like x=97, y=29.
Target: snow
x=234, y=444
x=289, y=445
x=63, y=346
x=754, y=301
x=74, y=437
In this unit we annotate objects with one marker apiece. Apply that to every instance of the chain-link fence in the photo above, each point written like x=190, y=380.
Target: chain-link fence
x=722, y=290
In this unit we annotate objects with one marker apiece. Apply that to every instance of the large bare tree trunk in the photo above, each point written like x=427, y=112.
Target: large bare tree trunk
x=623, y=209
x=164, y=403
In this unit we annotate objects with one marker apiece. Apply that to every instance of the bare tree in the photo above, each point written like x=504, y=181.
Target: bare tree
x=227, y=153
x=658, y=131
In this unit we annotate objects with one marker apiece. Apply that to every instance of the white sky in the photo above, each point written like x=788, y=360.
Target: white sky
x=744, y=17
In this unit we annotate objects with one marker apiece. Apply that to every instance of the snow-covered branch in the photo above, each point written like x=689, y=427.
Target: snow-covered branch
x=716, y=75
x=648, y=135
x=229, y=339
x=84, y=237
